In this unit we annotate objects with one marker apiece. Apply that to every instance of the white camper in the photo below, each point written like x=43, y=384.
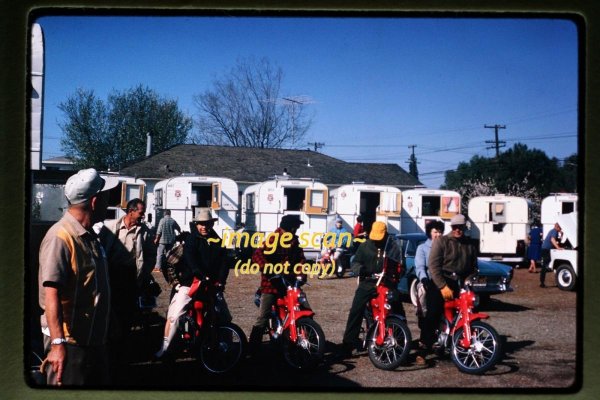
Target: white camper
x=372, y=202
x=183, y=194
x=500, y=224
x=420, y=206
x=564, y=261
x=556, y=205
x=263, y=205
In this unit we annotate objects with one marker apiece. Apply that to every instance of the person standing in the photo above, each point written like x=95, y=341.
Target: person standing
x=431, y=297
x=74, y=289
x=552, y=241
x=203, y=258
x=165, y=238
x=342, y=244
x=535, y=246
x=130, y=253
x=269, y=290
x=379, y=251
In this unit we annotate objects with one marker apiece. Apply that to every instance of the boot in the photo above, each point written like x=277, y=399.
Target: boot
x=255, y=340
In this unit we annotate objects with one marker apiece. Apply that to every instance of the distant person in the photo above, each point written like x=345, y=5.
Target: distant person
x=534, y=250
x=358, y=232
x=165, y=238
x=552, y=241
x=429, y=296
x=342, y=245
x=74, y=289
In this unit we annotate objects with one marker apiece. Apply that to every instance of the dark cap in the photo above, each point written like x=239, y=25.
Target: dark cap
x=289, y=222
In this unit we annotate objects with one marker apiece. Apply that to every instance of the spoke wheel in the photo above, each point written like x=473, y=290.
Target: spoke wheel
x=483, y=353
x=395, y=348
x=222, y=350
x=309, y=348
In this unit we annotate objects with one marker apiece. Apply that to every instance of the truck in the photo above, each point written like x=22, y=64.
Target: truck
x=564, y=261
x=264, y=203
x=182, y=195
x=500, y=225
x=372, y=202
x=420, y=206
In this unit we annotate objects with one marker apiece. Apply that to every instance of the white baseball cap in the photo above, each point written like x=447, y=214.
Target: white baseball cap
x=85, y=184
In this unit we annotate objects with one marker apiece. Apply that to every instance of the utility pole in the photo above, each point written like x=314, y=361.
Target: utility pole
x=497, y=143
x=317, y=145
x=412, y=162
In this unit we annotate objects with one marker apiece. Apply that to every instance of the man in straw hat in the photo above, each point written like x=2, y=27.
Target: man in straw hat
x=74, y=287
x=201, y=259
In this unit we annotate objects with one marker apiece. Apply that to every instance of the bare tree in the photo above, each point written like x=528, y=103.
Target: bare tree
x=244, y=109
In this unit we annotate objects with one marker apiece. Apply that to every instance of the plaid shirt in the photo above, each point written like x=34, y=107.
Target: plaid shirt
x=166, y=229
x=293, y=255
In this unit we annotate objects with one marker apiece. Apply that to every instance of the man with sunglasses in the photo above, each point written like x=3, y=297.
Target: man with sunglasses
x=453, y=258
x=202, y=258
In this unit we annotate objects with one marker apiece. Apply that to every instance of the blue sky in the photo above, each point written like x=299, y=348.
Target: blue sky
x=378, y=85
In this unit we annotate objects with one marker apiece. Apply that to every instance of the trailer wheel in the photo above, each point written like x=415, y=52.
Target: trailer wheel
x=565, y=277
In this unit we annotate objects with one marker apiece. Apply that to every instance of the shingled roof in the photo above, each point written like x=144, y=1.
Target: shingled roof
x=244, y=164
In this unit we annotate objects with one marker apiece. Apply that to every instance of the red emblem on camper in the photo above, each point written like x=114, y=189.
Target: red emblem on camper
x=270, y=197
x=343, y=194
x=178, y=193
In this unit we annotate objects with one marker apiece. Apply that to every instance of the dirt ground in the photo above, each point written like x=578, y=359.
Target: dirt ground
x=538, y=327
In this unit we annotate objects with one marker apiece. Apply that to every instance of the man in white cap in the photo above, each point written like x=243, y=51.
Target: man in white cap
x=202, y=259
x=453, y=258
x=74, y=287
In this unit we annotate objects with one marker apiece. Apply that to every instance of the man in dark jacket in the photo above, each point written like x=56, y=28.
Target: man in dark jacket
x=203, y=257
x=270, y=291
x=378, y=252
x=453, y=258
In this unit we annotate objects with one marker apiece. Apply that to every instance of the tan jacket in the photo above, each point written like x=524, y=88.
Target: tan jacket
x=144, y=249
x=451, y=258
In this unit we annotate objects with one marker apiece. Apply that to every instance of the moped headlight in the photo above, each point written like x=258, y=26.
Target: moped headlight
x=302, y=299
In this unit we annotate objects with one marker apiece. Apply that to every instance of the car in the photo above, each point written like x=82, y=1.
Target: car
x=493, y=277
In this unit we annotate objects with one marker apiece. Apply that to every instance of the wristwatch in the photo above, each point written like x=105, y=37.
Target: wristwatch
x=58, y=341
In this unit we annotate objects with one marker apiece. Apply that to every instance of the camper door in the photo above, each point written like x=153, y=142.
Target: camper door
x=390, y=204
x=216, y=196
x=131, y=191
x=450, y=206
x=316, y=201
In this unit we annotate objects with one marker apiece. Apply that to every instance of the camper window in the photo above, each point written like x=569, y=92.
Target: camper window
x=250, y=201
x=316, y=198
x=294, y=199
x=158, y=198
x=431, y=205
x=497, y=212
x=567, y=207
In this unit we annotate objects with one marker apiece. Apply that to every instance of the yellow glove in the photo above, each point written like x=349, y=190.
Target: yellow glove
x=447, y=293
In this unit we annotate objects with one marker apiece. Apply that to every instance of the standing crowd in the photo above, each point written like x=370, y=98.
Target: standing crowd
x=91, y=277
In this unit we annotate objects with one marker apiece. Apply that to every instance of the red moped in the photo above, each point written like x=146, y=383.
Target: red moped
x=218, y=345
x=473, y=344
x=388, y=339
x=292, y=325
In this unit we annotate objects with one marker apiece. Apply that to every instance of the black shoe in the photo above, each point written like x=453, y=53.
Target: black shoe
x=542, y=285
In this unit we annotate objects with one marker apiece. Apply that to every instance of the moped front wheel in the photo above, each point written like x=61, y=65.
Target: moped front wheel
x=222, y=349
x=308, y=350
x=482, y=354
x=395, y=347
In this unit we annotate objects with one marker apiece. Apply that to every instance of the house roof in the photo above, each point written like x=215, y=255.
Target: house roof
x=245, y=164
